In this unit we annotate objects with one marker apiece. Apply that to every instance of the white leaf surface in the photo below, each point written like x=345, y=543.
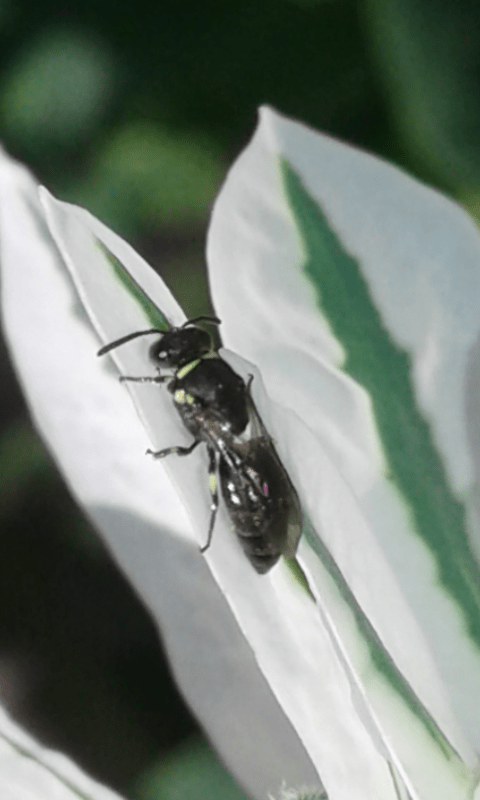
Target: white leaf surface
x=29, y=771
x=419, y=255
x=89, y=423
x=276, y=618
x=367, y=676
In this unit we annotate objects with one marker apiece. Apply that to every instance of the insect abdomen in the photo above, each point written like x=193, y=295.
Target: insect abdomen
x=256, y=495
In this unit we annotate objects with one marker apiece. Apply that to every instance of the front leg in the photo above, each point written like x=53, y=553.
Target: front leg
x=146, y=379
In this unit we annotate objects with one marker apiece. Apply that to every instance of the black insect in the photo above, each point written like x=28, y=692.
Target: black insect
x=216, y=406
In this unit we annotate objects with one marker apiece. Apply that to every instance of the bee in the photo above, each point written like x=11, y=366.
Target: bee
x=216, y=406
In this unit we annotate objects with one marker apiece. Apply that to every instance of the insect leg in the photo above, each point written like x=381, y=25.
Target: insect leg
x=212, y=475
x=146, y=379
x=179, y=451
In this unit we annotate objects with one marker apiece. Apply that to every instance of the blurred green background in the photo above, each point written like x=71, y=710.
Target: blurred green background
x=135, y=110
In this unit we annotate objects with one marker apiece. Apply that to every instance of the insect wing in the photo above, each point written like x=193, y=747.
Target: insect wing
x=290, y=502
x=257, y=429
x=258, y=463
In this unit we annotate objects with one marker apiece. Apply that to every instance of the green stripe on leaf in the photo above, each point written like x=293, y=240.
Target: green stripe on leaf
x=416, y=470
x=152, y=313
x=384, y=370
x=379, y=657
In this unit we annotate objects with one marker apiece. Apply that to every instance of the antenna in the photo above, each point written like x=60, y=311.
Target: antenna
x=107, y=347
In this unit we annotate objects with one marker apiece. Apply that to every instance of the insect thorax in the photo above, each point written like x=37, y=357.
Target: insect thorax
x=210, y=384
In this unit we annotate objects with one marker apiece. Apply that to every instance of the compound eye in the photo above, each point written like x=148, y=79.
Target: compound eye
x=158, y=352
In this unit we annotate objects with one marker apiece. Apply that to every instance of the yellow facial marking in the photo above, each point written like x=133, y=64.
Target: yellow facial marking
x=179, y=396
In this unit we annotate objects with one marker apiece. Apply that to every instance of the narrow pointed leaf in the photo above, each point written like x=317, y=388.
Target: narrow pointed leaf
x=88, y=420
x=29, y=771
x=374, y=292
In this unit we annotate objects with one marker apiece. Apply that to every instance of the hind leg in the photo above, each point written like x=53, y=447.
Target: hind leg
x=213, y=485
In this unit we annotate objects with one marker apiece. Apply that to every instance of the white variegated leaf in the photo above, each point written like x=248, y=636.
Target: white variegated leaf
x=29, y=771
x=353, y=292
x=369, y=337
